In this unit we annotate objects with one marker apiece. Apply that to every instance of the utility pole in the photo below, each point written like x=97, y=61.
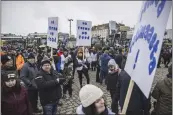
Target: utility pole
x=70, y=20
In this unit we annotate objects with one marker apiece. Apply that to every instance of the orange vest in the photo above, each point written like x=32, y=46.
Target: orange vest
x=19, y=62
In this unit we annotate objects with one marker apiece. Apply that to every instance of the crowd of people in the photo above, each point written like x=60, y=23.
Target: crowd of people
x=32, y=74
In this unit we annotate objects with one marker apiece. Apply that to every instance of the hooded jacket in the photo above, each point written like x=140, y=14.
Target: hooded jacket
x=163, y=94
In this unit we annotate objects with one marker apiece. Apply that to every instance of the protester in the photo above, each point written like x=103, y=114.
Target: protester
x=82, y=68
x=98, y=66
x=163, y=94
x=7, y=64
x=104, y=59
x=68, y=74
x=27, y=75
x=14, y=97
x=94, y=60
x=62, y=59
x=138, y=103
x=48, y=82
x=112, y=79
x=19, y=61
x=92, y=101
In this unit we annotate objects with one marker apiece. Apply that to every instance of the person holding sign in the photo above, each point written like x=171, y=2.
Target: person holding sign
x=138, y=104
x=81, y=67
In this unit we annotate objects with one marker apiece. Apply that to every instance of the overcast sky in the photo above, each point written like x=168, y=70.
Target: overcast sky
x=21, y=17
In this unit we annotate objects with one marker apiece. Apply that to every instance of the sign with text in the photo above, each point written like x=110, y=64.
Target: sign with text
x=83, y=33
x=144, y=49
x=52, y=35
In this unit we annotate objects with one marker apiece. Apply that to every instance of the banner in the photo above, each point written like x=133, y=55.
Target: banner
x=83, y=37
x=146, y=43
x=52, y=35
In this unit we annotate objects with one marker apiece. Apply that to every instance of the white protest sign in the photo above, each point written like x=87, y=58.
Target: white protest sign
x=146, y=43
x=52, y=35
x=83, y=33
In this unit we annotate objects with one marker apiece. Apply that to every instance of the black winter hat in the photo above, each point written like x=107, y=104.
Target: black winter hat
x=5, y=59
x=31, y=56
x=5, y=76
x=45, y=61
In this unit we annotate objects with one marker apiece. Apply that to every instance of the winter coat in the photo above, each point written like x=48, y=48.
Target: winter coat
x=81, y=64
x=16, y=103
x=138, y=102
x=112, y=79
x=80, y=112
x=104, y=59
x=48, y=87
x=19, y=62
x=163, y=94
x=27, y=75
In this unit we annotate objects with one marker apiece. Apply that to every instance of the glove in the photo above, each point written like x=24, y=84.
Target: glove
x=60, y=80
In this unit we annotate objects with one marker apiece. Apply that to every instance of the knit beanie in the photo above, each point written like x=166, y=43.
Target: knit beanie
x=31, y=56
x=89, y=94
x=5, y=76
x=45, y=60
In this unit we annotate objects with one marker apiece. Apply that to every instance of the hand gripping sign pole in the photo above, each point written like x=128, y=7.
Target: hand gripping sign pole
x=147, y=38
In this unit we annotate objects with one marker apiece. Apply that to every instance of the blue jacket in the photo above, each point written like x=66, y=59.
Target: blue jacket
x=104, y=59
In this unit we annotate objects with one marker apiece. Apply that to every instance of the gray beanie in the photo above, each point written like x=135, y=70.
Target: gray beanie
x=89, y=94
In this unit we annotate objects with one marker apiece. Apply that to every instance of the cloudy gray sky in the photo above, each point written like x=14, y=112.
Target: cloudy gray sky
x=21, y=17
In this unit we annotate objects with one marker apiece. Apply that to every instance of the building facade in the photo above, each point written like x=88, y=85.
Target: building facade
x=103, y=30
x=100, y=30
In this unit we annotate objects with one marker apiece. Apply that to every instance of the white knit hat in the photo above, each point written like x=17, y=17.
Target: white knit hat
x=89, y=94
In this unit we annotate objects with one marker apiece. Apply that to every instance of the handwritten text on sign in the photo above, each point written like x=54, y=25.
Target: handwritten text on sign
x=52, y=32
x=160, y=6
x=83, y=33
x=147, y=33
x=144, y=49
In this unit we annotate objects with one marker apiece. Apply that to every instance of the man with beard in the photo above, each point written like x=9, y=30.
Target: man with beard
x=27, y=75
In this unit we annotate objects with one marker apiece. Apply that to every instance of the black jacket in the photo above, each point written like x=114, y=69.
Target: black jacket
x=48, y=87
x=112, y=79
x=138, y=102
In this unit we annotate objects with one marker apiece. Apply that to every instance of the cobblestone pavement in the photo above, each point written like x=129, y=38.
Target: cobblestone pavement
x=70, y=105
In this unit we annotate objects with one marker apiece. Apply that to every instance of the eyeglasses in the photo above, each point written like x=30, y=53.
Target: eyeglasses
x=46, y=65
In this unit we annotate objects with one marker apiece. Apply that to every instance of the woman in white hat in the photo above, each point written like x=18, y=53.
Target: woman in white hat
x=92, y=101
